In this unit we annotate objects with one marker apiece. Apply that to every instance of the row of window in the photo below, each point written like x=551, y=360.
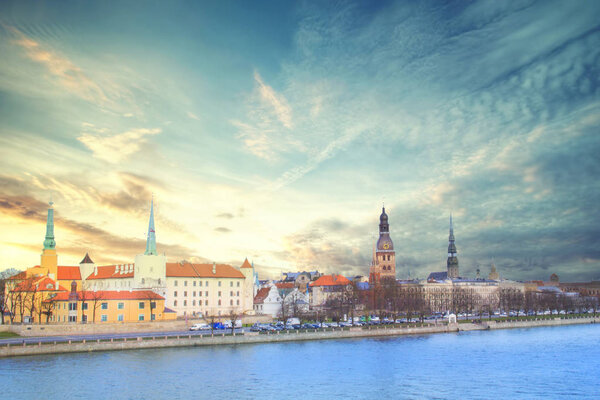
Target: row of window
x=185, y=303
x=104, y=318
x=185, y=283
x=185, y=293
x=104, y=306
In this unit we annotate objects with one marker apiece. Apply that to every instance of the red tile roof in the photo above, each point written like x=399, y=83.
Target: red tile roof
x=111, y=295
x=285, y=285
x=246, y=264
x=202, y=271
x=68, y=273
x=261, y=295
x=20, y=275
x=38, y=284
x=109, y=272
x=331, y=280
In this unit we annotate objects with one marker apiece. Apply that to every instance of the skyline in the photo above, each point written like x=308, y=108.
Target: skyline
x=276, y=134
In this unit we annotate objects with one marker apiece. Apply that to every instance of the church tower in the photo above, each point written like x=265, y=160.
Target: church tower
x=452, y=262
x=49, y=259
x=151, y=268
x=384, y=257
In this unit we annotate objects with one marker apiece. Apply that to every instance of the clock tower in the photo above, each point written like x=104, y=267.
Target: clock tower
x=384, y=257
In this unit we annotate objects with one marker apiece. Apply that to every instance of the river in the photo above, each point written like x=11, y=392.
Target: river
x=551, y=362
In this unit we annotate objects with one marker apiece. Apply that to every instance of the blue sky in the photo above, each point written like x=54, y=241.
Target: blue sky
x=276, y=130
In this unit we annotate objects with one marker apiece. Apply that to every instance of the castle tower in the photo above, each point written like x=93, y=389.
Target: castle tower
x=86, y=267
x=49, y=259
x=150, y=270
x=384, y=257
x=247, y=305
x=452, y=262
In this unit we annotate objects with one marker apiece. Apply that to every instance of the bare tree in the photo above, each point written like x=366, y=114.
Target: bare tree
x=211, y=319
x=48, y=306
x=96, y=296
x=233, y=317
x=151, y=298
x=7, y=283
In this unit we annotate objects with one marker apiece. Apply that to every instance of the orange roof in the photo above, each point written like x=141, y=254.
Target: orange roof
x=39, y=284
x=109, y=272
x=246, y=264
x=202, y=271
x=331, y=280
x=261, y=295
x=20, y=275
x=68, y=273
x=111, y=295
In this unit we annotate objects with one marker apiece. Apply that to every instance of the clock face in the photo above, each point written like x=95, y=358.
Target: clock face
x=386, y=246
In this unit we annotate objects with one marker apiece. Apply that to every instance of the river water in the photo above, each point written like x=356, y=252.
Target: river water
x=552, y=362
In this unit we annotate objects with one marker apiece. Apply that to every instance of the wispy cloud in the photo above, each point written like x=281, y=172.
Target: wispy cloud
x=70, y=76
x=114, y=149
x=276, y=101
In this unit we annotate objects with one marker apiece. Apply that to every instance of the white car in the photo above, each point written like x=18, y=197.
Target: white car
x=199, y=327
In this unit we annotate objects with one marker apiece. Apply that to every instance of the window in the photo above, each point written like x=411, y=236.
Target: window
x=141, y=317
x=200, y=294
x=219, y=301
x=175, y=284
x=185, y=294
x=194, y=303
x=238, y=302
x=120, y=318
x=200, y=283
x=219, y=293
x=104, y=318
x=84, y=318
x=194, y=283
x=231, y=293
x=185, y=303
x=184, y=283
x=153, y=317
x=84, y=306
x=72, y=318
x=206, y=294
x=194, y=294
x=238, y=293
x=238, y=284
x=175, y=303
x=152, y=305
x=104, y=306
x=230, y=284
x=72, y=307
x=206, y=283
x=175, y=293
x=120, y=306
x=206, y=302
x=230, y=302
x=141, y=305
x=219, y=283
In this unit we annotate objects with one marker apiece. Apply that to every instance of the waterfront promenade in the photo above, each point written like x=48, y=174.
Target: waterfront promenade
x=146, y=341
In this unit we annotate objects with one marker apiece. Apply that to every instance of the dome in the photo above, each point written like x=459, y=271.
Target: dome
x=384, y=217
x=385, y=243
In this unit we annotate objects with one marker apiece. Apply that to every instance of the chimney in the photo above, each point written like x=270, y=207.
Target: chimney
x=214, y=268
x=95, y=270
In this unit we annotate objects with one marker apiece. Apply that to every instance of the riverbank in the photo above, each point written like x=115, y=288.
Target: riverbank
x=72, y=346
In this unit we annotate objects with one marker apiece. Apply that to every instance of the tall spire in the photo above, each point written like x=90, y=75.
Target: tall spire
x=151, y=241
x=49, y=242
x=452, y=262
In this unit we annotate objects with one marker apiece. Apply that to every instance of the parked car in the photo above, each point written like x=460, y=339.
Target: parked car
x=227, y=324
x=199, y=327
x=218, y=325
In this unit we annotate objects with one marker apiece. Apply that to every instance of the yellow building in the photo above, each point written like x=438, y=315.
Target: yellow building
x=109, y=306
x=26, y=296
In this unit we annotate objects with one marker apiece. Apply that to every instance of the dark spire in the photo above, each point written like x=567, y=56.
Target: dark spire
x=452, y=262
x=86, y=259
x=383, y=221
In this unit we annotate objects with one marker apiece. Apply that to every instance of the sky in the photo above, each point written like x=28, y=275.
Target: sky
x=277, y=130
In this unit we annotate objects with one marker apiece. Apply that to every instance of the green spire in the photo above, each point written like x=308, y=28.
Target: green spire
x=49, y=243
x=151, y=241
